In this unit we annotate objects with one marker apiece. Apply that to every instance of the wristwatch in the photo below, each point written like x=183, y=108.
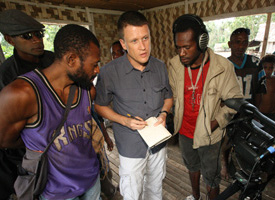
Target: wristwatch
x=163, y=111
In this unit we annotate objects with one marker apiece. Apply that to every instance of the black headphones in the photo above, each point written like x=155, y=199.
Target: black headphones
x=203, y=37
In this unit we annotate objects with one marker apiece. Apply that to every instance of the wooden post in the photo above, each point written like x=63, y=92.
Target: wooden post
x=90, y=17
x=186, y=6
x=2, y=57
x=267, y=27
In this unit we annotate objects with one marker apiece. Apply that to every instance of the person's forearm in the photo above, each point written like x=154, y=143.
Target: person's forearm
x=168, y=103
x=108, y=113
x=166, y=107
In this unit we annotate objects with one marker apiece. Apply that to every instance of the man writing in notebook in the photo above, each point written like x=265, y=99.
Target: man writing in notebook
x=138, y=85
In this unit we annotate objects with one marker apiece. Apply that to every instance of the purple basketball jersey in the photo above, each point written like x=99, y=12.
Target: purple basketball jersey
x=73, y=164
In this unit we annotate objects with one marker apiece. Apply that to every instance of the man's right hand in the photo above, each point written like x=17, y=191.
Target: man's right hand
x=135, y=124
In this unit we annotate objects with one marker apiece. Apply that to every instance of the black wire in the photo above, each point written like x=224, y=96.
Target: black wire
x=204, y=112
x=250, y=176
x=216, y=173
x=223, y=134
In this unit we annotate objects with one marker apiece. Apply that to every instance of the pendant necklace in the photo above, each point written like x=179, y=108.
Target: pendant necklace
x=193, y=101
x=194, y=86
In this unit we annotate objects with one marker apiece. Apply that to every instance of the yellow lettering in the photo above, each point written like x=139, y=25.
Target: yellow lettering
x=79, y=129
x=60, y=138
x=72, y=133
x=87, y=125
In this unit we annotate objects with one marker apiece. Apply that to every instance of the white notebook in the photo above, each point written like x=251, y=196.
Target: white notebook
x=154, y=135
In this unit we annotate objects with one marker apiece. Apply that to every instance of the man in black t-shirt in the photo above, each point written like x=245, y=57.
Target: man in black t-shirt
x=26, y=35
x=248, y=73
x=246, y=66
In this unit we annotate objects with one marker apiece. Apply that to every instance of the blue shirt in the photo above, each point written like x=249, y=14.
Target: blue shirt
x=134, y=92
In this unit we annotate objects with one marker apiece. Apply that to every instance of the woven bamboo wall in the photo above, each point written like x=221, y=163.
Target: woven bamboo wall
x=106, y=33
x=104, y=24
x=161, y=20
x=46, y=11
x=161, y=31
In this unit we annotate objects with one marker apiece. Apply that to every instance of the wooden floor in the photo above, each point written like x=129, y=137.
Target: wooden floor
x=176, y=185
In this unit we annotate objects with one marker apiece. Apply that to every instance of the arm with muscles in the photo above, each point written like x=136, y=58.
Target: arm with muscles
x=18, y=107
x=110, y=114
x=231, y=89
x=168, y=103
x=110, y=144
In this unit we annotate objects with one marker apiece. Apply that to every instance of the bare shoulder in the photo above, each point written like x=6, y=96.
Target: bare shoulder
x=18, y=107
x=19, y=95
x=18, y=89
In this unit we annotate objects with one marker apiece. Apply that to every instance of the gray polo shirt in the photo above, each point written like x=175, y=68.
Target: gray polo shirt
x=132, y=92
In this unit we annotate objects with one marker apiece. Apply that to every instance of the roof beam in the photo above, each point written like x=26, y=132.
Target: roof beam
x=2, y=57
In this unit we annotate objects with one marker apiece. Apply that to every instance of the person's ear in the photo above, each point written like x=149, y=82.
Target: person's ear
x=229, y=44
x=9, y=39
x=122, y=42
x=71, y=59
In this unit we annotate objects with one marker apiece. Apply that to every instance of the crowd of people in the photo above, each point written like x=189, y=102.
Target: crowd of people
x=35, y=84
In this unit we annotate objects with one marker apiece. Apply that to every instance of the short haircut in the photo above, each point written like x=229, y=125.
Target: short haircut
x=116, y=42
x=268, y=59
x=73, y=38
x=184, y=23
x=133, y=18
x=240, y=30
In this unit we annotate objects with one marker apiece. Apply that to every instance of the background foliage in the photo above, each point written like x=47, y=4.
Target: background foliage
x=50, y=31
x=220, y=30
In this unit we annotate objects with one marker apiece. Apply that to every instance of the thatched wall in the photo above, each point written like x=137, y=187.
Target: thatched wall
x=106, y=32
x=103, y=23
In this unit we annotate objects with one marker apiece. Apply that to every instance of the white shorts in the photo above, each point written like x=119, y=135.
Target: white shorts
x=141, y=178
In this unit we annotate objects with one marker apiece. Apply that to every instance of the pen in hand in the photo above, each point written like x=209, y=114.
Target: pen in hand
x=133, y=117
x=140, y=125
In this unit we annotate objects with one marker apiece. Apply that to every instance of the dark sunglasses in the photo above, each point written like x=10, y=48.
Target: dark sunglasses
x=29, y=36
x=241, y=30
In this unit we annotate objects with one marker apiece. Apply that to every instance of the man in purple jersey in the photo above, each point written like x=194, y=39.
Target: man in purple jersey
x=25, y=34
x=33, y=105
